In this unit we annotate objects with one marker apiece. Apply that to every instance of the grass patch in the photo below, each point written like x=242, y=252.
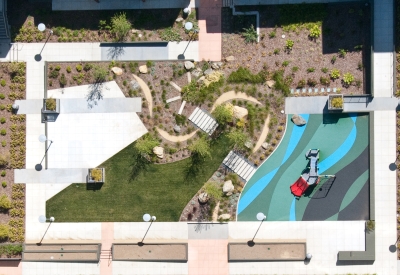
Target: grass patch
x=162, y=190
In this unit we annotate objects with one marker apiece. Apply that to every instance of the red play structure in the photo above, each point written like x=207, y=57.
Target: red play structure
x=300, y=186
x=309, y=177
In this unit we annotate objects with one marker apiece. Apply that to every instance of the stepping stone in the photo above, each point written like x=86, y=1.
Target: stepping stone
x=173, y=99
x=291, y=91
x=316, y=90
x=328, y=90
x=322, y=90
x=334, y=90
x=173, y=84
x=310, y=90
x=189, y=77
x=181, y=108
x=304, y=90
x=298, y=91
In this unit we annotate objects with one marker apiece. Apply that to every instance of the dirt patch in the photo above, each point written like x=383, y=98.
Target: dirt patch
x=266, y=251
x=150, y=252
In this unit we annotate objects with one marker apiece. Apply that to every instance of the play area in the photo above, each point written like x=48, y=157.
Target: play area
x=319, y=171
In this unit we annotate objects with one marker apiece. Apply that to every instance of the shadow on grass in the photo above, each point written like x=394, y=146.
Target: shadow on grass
x=140, y=164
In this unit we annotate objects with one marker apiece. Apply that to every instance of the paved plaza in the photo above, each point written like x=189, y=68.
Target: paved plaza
x=86, y=139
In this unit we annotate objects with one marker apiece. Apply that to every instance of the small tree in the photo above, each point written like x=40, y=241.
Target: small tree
x=250, y=35
x=146, y=144
x=5, y=202
x=238, y=138
x=99, y=74
x=213, y=190
x=223, y=114
x=4, y=231
x=200, y=147
x=120, y=26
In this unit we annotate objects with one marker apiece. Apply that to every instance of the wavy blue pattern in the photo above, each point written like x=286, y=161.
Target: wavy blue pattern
x=262, y=183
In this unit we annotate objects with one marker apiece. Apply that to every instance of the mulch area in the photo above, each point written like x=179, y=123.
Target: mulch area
x=346, y=26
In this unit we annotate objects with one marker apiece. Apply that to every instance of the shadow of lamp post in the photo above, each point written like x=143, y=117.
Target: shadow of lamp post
x=261, y=217
x=147, y=218
x=43, y=219
x=42, y=28
x=43, y=138
x=188, y=27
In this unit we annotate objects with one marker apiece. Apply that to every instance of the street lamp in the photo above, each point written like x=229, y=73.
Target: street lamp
x=147, y=218
x=43, y=138
x=188, y=27
x=43, y=219
x=261, y=217
x=42, y=28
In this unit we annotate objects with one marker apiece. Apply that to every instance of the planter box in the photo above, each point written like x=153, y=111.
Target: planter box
x=150, y=252
x=91, y=180
x=331, y=107
x=50, y=115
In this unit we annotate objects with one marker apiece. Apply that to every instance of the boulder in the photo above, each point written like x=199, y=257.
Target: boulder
x=203, y=197
x=134, y=31
x=179, y=19
x=159, y=152
x=201, y=80
x=189, y=65
x=248, y=144
x=216, y=65
x=228, y=187
x=135, y=85
x=239, y=112
x=143, y=69
x=230, y=58
x=197, y=72
x=270, y=83
x=208, y=71
x=117, y=71
x=177, y=129
x=265, y=145
x=224, y=217
x=298, y=120
x=229, y=194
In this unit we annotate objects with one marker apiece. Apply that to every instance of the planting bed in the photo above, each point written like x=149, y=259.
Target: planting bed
x=150, y=252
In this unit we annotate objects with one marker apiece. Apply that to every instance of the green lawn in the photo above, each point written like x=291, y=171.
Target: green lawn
x=162, y=190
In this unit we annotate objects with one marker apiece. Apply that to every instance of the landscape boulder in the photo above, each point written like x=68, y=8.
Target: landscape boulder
x=117, y=71
x=201, y=80
x=298, y=120
x=197, y=72
x=239, y=112
x=230, y=58
x=228, y=187
x=208, y=71
x=135, y=85
x=143, y=69
x=189, y=65
x=265, y=145
x=203, y=197
x=179, y=19
x=159, y=152
x=177, y=129
x=270, y=83
x=216, y=65
x=224, y=217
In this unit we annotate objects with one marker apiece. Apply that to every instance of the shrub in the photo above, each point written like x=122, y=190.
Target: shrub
x=277, y=51
x=360, y=66
x=223, y=114
x=2, y=120
x=87, y=67
x=4, y=144
x=120, y=26
x=99, y=74
x=4, y=184
x=3, y=173
x=301, y=84
x=4, y=231
x=200, y=147
x=79, y=68
x=348, y=79
x=4, y=158
x=213, y=190
x=51, y=104
x=285, y=63
x=315, y=32
x=169, y=34
x=2, y=96
x=295, y=69
x=324, y=70
x=238, y=138
x=63, y=80
x=96, y=174
x=68, y=69
x=57, y=68
x=370, y=226
x=180, y=119
x=289, y=45
x=311, y=70
x=272, y=34
x=3, y=132
x=281, y=83
x=335, y=74
x=54, y=74
x=145, y=144
x=311, y=82
x=2, y=107
x=342, y=53
x=337, y=102
x=250, y=34
x=333, y=59
x=3, y=83
x=5, y=202
x=243, y=75
x=324, y=81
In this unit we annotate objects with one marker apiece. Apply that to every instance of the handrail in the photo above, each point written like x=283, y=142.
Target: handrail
x=5, y=18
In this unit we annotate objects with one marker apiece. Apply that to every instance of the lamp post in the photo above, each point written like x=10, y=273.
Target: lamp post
x=42, y=28
x=43, y=219
x=261, y=217
x=147, y=218
x=43, y=138
x=188, y=27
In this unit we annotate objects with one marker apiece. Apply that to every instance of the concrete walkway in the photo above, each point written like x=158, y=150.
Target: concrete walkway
x=233, y=95
x=60, y=175
x=210, y=39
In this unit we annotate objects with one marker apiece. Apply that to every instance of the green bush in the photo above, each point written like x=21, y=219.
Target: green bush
x=2, y=96
x=324, y=70
x=301, y=84
x=87, y=67
x=3, y=143
x=324, y=81
x=11, y=249
x=78, y=68
x=51, y=104
x=120, y=26
x=311, y=70
x=3, y=173
x=57, y=68
x=5, y=202
x=3, y=83
x=169, y=34
x=243, y=75
x=223, y=114
x=335, y=74
x=180, y=119
x=3, y=132
x=295, y=69
x=2, y=120
x=333, y=59
x=200, y=147
x=315, y=31
x=348, y=79
x=54, y=74
x=289, y=45
x=250, y=34
x=4, y=184
x=4, y=231
x=68, y=69
x=99, y=73
x=272, y=34
x=145, y=144
x=285, y=63
x=342, y=53
x=282, y=84
x=63, y=80
x=311, y=82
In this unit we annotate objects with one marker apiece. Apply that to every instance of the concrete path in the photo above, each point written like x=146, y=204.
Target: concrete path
x=60, y=175
x=210, y=45
x=172, y=138
x=284, y=2
x=147, y=93
x=263, y=135
x=121, y=5
x=233, y=95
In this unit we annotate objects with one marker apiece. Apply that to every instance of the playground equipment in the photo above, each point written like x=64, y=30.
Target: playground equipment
x=310, y=176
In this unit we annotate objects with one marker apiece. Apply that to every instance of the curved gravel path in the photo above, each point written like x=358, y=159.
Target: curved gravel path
x=233, y=95
x=263, y=135
x=175, y=138
x=147, y=93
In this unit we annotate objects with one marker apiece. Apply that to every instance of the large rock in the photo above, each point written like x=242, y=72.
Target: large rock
x=265, y=145
x=135, y=85
x=224, y=217
x=239, y=112
x=208, y=71
x=159, y=151
x=189, y=65
x=117, y=71
x=248, y=144
x=298, y=120
x=197, y=72
x=143, y=69
x=179, y=19
x=177, y=129
x=230, y=58
x=270, y=83
x=203, y=197
x=216, y=65
x=201, y=80
x=228, y=187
